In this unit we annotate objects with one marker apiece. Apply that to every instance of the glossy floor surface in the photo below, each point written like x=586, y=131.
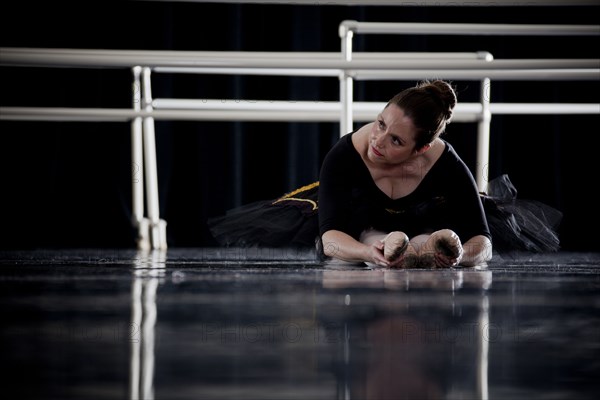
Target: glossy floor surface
x=273, y=324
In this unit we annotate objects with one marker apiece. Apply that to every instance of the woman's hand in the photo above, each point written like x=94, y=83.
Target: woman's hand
x=342, y=246
x=375, y=253
x=442, y=260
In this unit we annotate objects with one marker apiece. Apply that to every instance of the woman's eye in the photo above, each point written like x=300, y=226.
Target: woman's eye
x=396, y=141
x=381, y=124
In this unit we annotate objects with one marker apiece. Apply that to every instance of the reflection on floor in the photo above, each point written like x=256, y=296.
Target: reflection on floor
x=274, y=324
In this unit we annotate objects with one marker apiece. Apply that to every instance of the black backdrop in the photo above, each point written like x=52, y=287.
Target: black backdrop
x=68, y=184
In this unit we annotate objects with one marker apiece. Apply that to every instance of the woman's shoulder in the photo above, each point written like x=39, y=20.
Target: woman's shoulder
x=449, y=155
x=449, y=166
x=354, y=141
x=343, y=148
x=342, y=160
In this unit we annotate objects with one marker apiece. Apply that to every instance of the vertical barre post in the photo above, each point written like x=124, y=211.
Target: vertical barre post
x=483, y=130
x=346, y=83
x=157, y=226
x=483, y=137
x=137, y=167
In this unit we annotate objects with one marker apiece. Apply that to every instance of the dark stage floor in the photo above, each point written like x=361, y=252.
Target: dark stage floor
x=274, y=324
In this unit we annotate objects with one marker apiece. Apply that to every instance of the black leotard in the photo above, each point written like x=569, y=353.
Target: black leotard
x=350, y=201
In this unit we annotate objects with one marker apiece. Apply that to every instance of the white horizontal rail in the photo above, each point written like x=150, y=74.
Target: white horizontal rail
x=272, y=111
x=123, y=115
x=544, y=108
x=317, y=114
x=566, y=74
x=196, y=59
x=413, y=3
x=332, y=55
x=323, y=111
x=418, y=28
x=7, y=52
x=250, y=71
x=313, y=56
x=462, y=111
x=130, y=58
x=16, y=56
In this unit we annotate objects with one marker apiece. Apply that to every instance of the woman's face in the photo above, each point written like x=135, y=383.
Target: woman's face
x=392, y=137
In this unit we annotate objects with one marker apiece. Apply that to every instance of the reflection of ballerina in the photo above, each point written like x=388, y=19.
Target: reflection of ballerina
x=405, y=280
x=398, y=365
x=399, y=351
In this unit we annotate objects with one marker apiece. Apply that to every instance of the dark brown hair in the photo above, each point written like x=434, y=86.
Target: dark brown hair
x=429, y=105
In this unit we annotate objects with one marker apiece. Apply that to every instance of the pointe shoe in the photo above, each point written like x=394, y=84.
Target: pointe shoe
x=395, y=244
x=449, y=246
x=444, y=241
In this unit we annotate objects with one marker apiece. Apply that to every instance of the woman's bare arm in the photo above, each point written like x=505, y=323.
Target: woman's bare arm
x=340, y=245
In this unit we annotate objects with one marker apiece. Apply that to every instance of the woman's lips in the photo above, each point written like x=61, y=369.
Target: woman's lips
x=376, y=152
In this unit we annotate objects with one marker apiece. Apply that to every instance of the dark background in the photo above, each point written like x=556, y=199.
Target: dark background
x=67, y=184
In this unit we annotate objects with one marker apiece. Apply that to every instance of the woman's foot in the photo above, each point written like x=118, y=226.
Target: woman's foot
x=411, y=258
x=395, y=245
x=442, y=249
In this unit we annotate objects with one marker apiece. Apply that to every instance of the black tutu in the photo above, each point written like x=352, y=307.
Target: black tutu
x=292, y=221
x=289, y=221
x=519, y=224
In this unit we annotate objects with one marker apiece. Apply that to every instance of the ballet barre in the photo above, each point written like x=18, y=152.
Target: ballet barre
x=345, y=66
x=261, y=63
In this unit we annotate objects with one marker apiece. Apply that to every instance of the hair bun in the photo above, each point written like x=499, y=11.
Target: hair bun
x=444, y=93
